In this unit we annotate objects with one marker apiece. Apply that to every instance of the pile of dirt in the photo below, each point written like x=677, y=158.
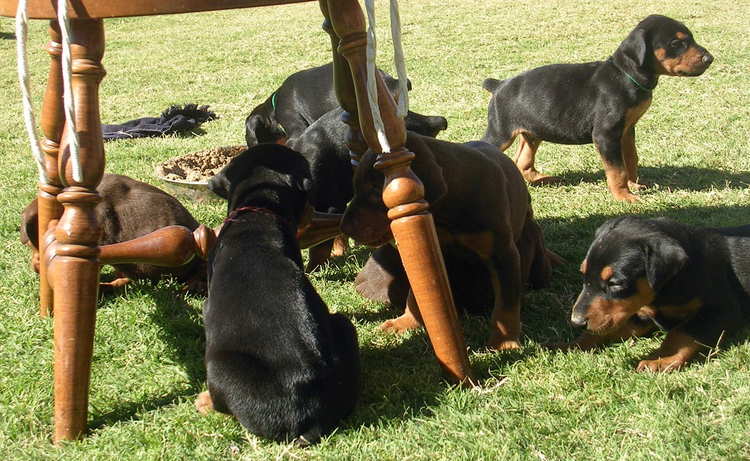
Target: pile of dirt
x=198, y=166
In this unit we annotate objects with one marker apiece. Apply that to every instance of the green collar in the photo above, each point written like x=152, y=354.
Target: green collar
x=273, y=99
x=636, y=82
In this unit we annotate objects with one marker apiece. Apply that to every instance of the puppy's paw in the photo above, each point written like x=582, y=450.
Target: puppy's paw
x=504, y=345
x=203, y=403
x=637, y=185
x=399, y=325
x=662, y=364
x=536, y=178
x=627, y=197
x=340, y=246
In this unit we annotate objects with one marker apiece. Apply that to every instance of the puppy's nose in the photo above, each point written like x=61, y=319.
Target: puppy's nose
x=577, y=319
x=707, y=59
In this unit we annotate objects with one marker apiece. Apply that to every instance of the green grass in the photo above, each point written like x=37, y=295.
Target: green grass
x=535, y=404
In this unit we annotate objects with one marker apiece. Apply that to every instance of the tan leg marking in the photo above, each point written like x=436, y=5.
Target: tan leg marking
x=409, y=320
x=203, y=403
x=673, y=353
x=505, y=324
x=525, y=157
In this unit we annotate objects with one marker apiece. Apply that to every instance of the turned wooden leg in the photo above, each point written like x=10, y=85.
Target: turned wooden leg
x=412, y=224
x=74, y=271
x=52, y=122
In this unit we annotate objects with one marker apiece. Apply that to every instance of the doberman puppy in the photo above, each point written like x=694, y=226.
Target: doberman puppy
x=642, y=273
x=129, y=209
x=276, y=358
x=597, y=102
x=304, y=97
x=479, y=201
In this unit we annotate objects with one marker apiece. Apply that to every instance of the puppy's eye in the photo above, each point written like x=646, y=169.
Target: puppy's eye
x=677, y=44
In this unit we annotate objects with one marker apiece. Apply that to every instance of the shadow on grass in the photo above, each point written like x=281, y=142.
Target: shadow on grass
x=7, y=36
x=684, y=178
x=400, y=378
x=182, y=332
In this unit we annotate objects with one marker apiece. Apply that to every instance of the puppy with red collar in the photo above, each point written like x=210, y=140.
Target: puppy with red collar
x=276, y=358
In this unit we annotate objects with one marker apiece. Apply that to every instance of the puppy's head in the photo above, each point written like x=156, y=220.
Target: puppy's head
x=366, y=217
x=665, y=47
x=426, y=125
x=266, y=172
x=627, y=265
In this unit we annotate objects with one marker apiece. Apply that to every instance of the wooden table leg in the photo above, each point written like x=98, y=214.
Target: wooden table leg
x=412, y=224
x=52, y=122
x=74, y=271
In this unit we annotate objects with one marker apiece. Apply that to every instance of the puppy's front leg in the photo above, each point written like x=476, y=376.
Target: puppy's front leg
x=608, y=143
x=630, y=156
x=409, y=320
x=678, y=347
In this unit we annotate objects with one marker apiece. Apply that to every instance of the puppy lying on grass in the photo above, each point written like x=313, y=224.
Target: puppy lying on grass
x=129, y=209
x=276, y=359
x=640, y=274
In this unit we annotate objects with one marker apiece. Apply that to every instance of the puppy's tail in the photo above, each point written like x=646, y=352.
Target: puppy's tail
x=491, y=84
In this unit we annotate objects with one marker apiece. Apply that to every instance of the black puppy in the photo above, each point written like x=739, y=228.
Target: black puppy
x=129, y=209
x=597, y=102
x=304, y=97
x=276, y=359
x=641, y=273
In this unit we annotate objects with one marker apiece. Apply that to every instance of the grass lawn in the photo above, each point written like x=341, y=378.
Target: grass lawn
x=535, y=404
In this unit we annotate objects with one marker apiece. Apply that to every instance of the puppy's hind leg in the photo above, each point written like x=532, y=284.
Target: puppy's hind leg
x=505, y=271
x=344, y=391
x=525, y=157
x=203, y=403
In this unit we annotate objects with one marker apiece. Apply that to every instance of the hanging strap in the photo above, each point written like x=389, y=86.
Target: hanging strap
x=398, y=57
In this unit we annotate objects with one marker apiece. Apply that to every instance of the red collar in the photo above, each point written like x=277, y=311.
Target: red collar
x=232, y=216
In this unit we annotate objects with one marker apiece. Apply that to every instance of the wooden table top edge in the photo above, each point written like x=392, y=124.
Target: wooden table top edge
x=100, y=9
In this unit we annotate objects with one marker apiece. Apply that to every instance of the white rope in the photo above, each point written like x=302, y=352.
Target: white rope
x=398, y=57
x=22, y=29
x=69, y=103
x=372, y=90
x=398, y=60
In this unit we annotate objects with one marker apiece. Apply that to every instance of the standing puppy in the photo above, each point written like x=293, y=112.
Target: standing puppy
x=597, y=102
x=480, y=203
x=276, y=359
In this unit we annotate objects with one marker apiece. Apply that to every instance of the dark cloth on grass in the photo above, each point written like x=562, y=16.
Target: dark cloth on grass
x=176, y=119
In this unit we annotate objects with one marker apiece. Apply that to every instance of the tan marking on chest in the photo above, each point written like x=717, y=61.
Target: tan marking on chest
x=633, y=114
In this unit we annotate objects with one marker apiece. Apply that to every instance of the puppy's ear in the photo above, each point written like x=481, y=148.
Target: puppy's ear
x=665, y=257
x=430, y=172
x=634, y=47
x=219, y=185
x=30, y=225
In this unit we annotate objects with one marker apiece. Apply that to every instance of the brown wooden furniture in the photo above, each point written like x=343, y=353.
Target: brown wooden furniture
x=70, y=255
